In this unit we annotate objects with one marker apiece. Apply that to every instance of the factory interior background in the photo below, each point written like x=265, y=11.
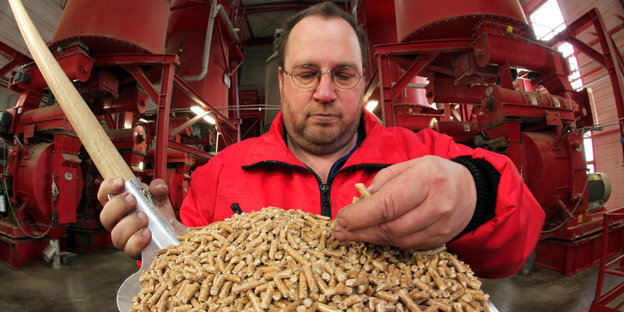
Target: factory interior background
x=173, y=82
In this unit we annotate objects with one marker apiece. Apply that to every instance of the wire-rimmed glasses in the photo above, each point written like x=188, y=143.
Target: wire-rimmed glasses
x=308, y=77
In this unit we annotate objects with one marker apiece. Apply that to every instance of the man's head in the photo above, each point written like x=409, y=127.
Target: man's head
x=327, y=10
x=321, y=119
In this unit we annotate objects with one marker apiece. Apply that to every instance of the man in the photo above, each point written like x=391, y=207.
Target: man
x=322, y=143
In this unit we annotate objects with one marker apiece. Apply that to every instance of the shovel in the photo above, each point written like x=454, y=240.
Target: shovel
x=164, y=233
x=105, y=156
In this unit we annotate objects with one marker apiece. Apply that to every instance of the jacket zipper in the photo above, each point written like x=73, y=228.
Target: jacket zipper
x=325, y=199
x=325, y=188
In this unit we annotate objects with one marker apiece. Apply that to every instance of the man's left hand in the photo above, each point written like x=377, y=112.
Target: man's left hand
x=418, y=204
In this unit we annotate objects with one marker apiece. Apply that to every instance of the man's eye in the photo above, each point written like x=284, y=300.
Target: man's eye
x=343, y=75
x=306, y=75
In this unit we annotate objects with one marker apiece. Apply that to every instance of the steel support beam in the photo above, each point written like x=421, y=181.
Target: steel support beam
x=187, y=149
x=202, y=102
x=162, y=122
x=418, y=65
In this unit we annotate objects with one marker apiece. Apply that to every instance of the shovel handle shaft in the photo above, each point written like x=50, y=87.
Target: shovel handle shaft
x=107, y=159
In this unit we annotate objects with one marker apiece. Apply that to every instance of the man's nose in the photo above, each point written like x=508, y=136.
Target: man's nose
x=325, y=90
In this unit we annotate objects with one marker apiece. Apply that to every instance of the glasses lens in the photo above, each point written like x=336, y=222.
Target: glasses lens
x=346, y=77
x=305, y=77
x=309, y=76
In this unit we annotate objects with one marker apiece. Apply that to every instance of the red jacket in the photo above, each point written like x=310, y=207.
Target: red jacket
x=262, y=171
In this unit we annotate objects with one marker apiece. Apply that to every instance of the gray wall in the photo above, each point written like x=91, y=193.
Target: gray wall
x=7, y=98
x=252, y=70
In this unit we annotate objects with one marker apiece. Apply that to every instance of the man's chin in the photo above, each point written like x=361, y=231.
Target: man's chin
x=322, y=137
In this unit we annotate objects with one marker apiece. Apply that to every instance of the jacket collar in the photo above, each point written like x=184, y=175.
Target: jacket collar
x=379, y=147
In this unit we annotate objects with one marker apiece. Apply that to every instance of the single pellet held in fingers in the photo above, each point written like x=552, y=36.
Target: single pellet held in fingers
x=209, y=271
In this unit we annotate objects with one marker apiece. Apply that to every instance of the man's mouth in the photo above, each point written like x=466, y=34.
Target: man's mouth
x=324, y=117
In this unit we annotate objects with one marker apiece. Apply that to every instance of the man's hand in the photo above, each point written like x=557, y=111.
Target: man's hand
x=418, y=204
x=128, y=227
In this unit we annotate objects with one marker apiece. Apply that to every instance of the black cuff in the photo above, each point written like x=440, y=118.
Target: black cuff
x=486, y=180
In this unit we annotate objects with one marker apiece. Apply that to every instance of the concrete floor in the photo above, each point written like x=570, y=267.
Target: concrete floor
x=91, y=282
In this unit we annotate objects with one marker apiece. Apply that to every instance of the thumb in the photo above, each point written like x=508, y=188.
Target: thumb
x=159, y=190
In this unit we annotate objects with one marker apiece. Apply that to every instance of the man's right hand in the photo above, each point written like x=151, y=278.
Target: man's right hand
x=128, y=227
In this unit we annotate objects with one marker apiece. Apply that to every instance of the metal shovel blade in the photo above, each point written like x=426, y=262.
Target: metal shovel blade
x=164, y=233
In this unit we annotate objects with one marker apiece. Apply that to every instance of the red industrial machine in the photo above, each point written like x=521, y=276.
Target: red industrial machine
x=141, y=70
x=492, y=85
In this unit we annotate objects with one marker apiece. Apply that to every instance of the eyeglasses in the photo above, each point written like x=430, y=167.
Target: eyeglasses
x=308, y=77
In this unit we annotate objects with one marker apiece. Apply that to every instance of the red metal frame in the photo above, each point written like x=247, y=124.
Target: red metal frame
x=131, y=63
x=162, y=131
x=14, y=56
x=610, y=59
x=187, y=149
x=601, y=300
x=221, y=119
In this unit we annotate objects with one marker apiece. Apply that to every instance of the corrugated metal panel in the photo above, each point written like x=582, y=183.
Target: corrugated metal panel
x=607, y=148
x=573, y=9
x=607, y=111
x=45, y=16
x=608, y=155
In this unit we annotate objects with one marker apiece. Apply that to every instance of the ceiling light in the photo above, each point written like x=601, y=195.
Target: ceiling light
x=371, y=105
x=200, y=111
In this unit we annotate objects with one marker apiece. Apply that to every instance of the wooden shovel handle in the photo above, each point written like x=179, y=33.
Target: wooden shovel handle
x=101, y=150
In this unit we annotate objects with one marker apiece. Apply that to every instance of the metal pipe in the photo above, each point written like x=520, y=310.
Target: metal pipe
x=214, y=10
x=207, y=43
x=227, y=22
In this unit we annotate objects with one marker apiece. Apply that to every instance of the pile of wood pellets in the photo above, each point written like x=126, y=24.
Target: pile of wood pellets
x=287, y=260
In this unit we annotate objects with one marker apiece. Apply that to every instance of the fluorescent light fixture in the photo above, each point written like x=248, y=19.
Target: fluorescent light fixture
x=371, y=105
x=200, y=111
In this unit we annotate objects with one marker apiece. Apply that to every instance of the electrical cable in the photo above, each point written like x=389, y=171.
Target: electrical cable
x=607, y=123
x=570, y=214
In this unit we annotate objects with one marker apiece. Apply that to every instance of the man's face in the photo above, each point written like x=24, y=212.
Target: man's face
x=323, y=119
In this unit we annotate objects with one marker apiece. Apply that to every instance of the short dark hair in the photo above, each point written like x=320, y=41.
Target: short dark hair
x=324, y=9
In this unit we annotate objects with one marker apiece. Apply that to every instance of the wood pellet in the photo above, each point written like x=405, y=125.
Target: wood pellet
x=287, y=260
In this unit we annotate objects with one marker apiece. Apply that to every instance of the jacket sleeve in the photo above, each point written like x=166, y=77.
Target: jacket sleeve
x=500, y=246
x=198, y=206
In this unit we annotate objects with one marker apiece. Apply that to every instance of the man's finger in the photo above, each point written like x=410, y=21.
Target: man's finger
x=126, y=227
x=159, y=190
x=137, y=242
x=389, y=232
x=109, y=186
x=117, y=208
x=426, y=238
x=389, y=203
